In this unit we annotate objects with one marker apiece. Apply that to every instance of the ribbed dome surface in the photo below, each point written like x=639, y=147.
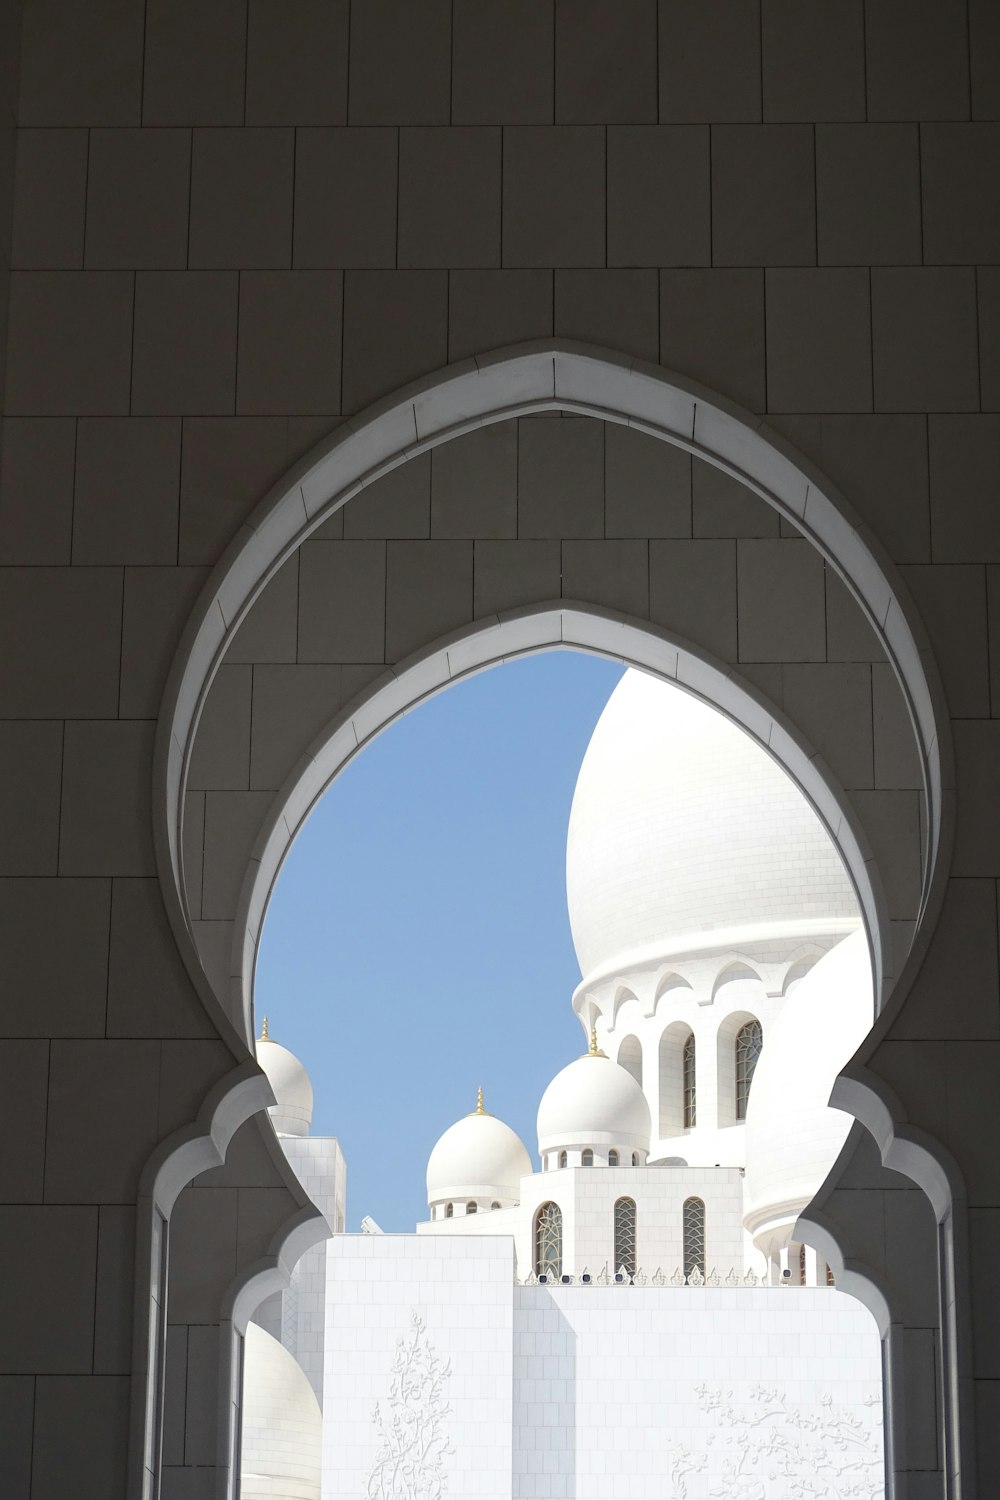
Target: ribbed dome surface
x=477, y=1157
x=291, y=1114
x=792, y=1136
x=593, y=1102
x=681, y=824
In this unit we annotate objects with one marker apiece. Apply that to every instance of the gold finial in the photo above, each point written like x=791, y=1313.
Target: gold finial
x=264, y=1034
x=479, y=1110
x=594, y=1050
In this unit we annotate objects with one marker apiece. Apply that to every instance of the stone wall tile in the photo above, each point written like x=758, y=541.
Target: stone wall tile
x=297, y=62
x=614, y=575
x=55, y=988
x=414, y=306
x=149, y=992
x=781, y=613
x=127, y=490
x=560, y=477
x=428, y=592
x=553, y=196
x=87, y=316
x=24, y=1071
x=488, y=309
x=474, y=484
x=138, y=185
x=289, y=343
x=106, y=818
x=763, y=195
x=72, y=619
x=342, y=601
x=818, y=340
x=81, y=1426
x=449, y=196
x=605, y=62
x=613, y=309
x=50, y=200
x=195, y=68
x=699, y=81
x=917, y=60
x=509, y=574
x=813, y=60
x=400, y=63
x=647, y=485
x=712, y=330
x=270, y=631
x=924, y=339
x=502, y=63
x=227, y=466
x=659, y=195
x=30, y=773
x=220, y=760
x=868, y=195
x=692, y=590
x=977, y=830
x=722, y=507
x=37, y=457
x=81, y=64
x=958, y=166
x=345, y=198
x=291, y=705
x=241, y=199
x=184, y=358
x=50, y=1254
x=102, y=1119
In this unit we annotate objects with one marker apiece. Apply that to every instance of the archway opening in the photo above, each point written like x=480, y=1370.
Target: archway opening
x=516, y=1220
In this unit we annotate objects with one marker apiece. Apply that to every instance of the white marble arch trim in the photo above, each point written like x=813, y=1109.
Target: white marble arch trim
x=543, y=375
x=523, y=632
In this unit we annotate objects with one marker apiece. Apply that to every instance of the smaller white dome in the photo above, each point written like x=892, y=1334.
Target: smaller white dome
x=477, y=1157
x=793, y=1137
x=291, y=1114
x=593, y=1102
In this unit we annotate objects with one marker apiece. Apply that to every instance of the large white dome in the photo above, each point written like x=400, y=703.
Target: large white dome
x=681, y=824
x=282, y=1424
x=477, y=1157
x=291, y=1114
x=593, y=1102
x=793, y=1137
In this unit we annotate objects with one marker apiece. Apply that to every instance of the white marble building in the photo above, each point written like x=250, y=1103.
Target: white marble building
x=635, y=1316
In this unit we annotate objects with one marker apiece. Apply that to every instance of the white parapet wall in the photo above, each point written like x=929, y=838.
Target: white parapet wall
x=439, y=1365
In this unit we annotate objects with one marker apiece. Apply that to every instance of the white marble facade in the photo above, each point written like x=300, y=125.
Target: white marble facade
x=443, y=1376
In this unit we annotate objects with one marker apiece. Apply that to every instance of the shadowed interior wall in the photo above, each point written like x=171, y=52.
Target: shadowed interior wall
x=235, y=223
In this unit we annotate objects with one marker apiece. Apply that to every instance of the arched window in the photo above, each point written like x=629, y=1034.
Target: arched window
x=688, y=1084
x=494, y=1204
x=829, y=1277
x=802, y=1265
x=612, y=1158
x=625, y=1235
x=449, y=1210
x=694, y=1235
x=749, y=1040
x=472, y=1206
x=635, y=1159
x=587, y=1159
x=548, y=1241
x=563, y=1159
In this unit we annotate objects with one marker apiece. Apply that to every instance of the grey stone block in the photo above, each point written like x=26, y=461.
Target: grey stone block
x=397, y=505
x=270, y=631
x=712, y=330
x=149, y=994
x=138, y=184
x=659, y=195
x=868, y=194
x=241, y=198
x=81, y=64
x=511, y=574
x=614, y=309
x=184, y=358
x=86, y=318
x=709, y=60
x=488, y=309
x=345, y=197
x=227, y=466
x=297, y=62
x=51, y=1251
x=553, y=196
x=502, y=66
x=289, y=345
x=692, y=591
x=560, y=477
x=614, y=575
x=342, y=602
x=951, y=600
x=722, y=507
x=428, y=593
x=606, y=63
x=813, y=60
x=30, y=772
x=50, y=200
x=36, y=489
x=763, y=196
x=291, y=706
x=67, y=980
x=195, y=62
x=106, y=818
x=818, y=340
x=449, y=196
x=400, y=63
x=127, y=490
x=647, y=485
x=157, y=602
x=924, y=339
x=410, y=311
x=964, y=486
x=781, y=614
x=72, y=617
x=474, y=484
x=917, y=60
x=961, y=206
x=220, y=758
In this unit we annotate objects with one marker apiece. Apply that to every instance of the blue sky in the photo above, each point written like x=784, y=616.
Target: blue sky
x=417, y=942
